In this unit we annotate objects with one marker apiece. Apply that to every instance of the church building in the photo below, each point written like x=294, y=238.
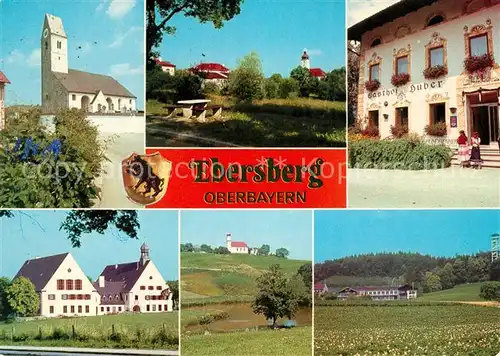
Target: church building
x=315, y=72
x=3, y=81
x=65, y=88
x=236, y=246
x=65, y=290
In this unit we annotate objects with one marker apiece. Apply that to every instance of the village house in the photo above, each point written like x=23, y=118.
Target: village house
x=212, y=73
x=3, y=81
x=431, y=62
x=165, y=66
x=315, y=72
x=402, y=292
x=64, y=88
x=65, y=290
x=320, y=288
x=236, y=246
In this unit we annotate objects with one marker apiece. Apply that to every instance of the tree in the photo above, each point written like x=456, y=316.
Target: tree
x=271, y=88
x=333, y=86
x=276, y=296
x=22, y=297
x=495, y=270
x=206, y=248
x=221, y=250
x=289, y=88
x=446, y=276
x=160, y=12
x=306, y=81
x=490, y=291
x=174, y=288
x=264, y=250
x=5, y=309
x=282, y=252
x=188, y=247
x=246, y=82
x=432, y=283
x=460, y=270
x=305, y=272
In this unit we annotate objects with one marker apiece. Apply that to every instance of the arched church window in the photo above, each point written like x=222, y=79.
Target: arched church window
x=46, y=45
x=435, y=20
x=376, y=42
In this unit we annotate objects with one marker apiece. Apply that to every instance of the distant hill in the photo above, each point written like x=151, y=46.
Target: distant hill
x=205, y=275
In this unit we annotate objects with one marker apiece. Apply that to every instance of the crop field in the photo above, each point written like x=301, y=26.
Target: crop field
x=158, y=330
x=416, y=329
x=294, y=342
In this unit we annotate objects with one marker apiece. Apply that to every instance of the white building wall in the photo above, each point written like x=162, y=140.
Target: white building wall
x=418, y=93
x=141, y=293
x=120, y=104
x=241, y=250
x=51, y=296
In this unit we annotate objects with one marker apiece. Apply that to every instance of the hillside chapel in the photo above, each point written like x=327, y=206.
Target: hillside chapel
x=65, y=290
x=64, y=88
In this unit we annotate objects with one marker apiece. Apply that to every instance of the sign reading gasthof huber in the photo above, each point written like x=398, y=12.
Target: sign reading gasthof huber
x=412, y=88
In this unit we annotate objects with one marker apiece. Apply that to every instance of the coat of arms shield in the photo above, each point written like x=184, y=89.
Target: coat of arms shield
x=145, y=177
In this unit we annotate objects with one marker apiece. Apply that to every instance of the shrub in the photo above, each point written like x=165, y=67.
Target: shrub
x=211, y=88
x=475, y=63
x=435, y=72
x=400, y=79
x=490, y=291
x=399, y=131
x=437, y=129
x=372, y=85
x=398, y=154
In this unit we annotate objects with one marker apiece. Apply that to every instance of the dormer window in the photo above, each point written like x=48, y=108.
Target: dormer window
x=435, y=20
x=376, y=42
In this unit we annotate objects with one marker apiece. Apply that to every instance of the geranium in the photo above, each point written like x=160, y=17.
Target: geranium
x=475, y=63
x=400, y=79
x=435, y=72
x=372, y=85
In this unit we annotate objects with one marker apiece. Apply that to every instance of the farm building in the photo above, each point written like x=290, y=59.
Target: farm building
x=320, y=288
x=65, y=290
x=431, y=63
x=379, y=293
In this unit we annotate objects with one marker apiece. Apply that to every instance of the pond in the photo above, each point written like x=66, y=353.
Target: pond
x=241, y=316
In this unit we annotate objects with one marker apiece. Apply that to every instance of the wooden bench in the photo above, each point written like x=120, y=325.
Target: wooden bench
x=200, y=112
x=216, y=112
x=172, y=110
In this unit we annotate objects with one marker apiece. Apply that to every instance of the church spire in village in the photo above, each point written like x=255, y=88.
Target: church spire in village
x=144, y=254
x=305, y=62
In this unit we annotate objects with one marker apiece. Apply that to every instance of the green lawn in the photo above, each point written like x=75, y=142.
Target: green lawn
x=418, y=329
x=158, y=330
x=462, y=293
x=266, y=123
x=294, y=342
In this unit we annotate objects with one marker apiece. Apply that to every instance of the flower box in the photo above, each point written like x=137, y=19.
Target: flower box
x=473, y=64
x=435, y=72
x=400, y=79
x=399, y=131
x=371, y=131
x=372, y=85
x=437, y=129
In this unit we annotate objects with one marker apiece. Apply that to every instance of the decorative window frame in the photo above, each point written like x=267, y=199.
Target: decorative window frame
x=402, y=52
x=479, y=30
x=375, y=60
x=436, y=42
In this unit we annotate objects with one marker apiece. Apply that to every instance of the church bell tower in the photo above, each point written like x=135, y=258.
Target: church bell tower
x=144, y=254
x=228, y=241
x=305, y=62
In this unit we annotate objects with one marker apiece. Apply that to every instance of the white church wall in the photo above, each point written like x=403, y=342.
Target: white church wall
x=118, y=104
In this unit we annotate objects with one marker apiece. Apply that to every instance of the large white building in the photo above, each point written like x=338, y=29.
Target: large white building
x=64, y=88
x=65, y=290
x=429, y=62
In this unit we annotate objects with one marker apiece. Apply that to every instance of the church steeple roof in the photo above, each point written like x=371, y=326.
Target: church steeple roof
x=305, y=55
x=55, y=25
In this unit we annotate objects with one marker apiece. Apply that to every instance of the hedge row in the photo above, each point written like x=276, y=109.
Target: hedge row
x=402, y=154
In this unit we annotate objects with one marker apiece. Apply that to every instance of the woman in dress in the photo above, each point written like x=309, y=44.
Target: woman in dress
x=475, y=156
x=463, y=148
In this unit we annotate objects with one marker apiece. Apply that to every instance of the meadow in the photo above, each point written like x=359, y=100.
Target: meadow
x=436, y=324
x=305, y=122
x=151, y=331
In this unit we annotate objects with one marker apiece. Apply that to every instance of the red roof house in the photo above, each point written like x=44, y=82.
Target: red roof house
x=317, y=73
x=210, y=67
x=3, y=78
x=164, y=63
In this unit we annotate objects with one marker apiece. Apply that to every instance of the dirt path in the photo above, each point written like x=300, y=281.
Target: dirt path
x=483, y=304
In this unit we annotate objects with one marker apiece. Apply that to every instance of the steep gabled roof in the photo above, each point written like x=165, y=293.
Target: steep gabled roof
x=238, y=244
x=125, y=273
x=317, y=72
x=3, y=78
x=210, y=67
x=40, y=270
x=55, y=25
x=76, y=81
x=112, y=289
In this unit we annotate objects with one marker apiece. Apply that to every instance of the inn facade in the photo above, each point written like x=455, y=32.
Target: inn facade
x=431, y=62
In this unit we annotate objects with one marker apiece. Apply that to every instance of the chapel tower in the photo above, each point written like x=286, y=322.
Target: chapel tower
x=305, y=62
x=228, y=241
x=144, y=254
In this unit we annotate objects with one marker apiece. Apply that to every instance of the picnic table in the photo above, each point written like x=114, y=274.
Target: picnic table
x=195, y=107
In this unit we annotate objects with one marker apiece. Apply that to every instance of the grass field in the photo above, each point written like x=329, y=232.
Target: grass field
x=294, y=342
x=159, y=330
x=417, y=329
x=462, y=293
x=266, y=123
x=225, y=278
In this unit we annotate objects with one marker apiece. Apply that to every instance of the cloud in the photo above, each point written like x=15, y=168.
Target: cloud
x=15, y=56
x=120, y=38
x=119, y=8
x=125, y=69
x=314, y=52
x=35, y=58
x=101, y=5
x=358, y=10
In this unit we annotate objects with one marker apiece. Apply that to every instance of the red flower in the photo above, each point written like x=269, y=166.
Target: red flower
x=473, y=64
x=435, y=72
x=372, y=85
x=400, y=79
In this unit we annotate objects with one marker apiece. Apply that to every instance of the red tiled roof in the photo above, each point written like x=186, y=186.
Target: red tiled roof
x=319, y=286
x=164, y=64
x=238, y=244
x=215, y=75
x=3, y=78
x=317, y=72
x=210, y=67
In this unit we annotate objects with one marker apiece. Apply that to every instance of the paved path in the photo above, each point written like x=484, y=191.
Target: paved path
x=65, y=351
x=444, y=188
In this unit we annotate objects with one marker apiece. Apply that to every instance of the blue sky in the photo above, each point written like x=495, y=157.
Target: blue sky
x=34, y=233
x=104, y=37
x=435, y=232
x=289, y=229
x=278, y=30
